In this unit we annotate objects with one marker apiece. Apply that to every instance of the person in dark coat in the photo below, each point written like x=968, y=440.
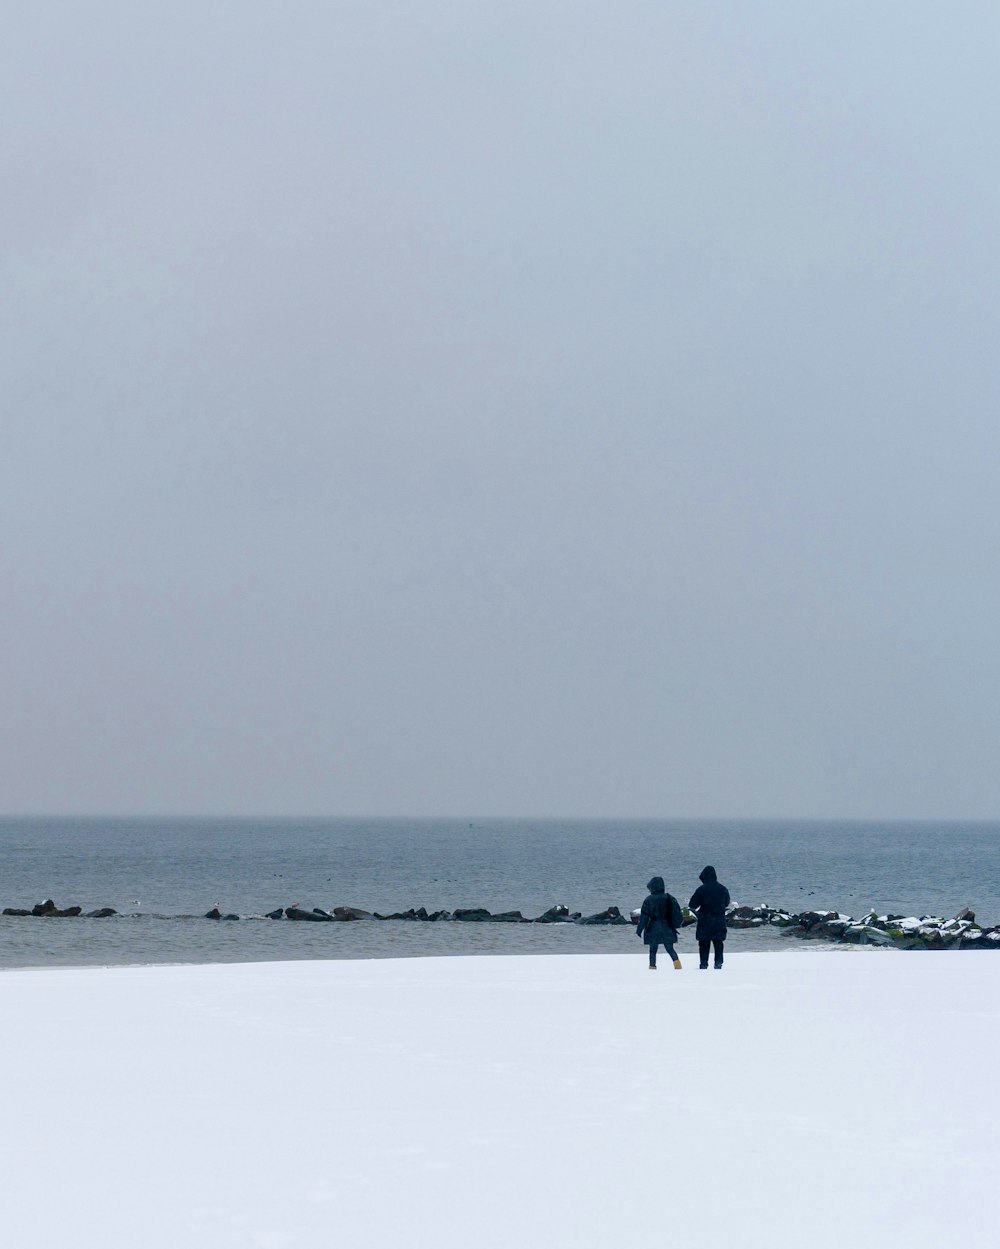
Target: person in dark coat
x=659, y=919
x=710, y=900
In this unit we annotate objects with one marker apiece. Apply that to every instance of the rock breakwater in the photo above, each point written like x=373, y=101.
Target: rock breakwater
x=902, y=932
x=558, y=914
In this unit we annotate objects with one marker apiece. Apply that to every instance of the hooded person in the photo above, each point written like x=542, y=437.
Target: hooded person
x=659, y=919
x=709, y=901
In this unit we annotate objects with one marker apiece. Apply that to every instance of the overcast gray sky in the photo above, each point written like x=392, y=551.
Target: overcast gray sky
x=500, y=408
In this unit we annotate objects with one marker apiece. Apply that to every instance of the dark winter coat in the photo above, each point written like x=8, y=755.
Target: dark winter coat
x=710, y=900
x=660, y=916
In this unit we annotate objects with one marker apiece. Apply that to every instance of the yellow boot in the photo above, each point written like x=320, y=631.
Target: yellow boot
x=677, y=964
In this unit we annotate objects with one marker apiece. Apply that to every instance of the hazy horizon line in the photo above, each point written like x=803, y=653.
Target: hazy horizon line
x=494, y=818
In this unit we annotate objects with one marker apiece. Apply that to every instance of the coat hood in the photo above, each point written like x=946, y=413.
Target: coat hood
x=656, y=885
x=706, y=874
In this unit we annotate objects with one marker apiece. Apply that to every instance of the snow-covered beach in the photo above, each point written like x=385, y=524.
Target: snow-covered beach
x=566, y=1100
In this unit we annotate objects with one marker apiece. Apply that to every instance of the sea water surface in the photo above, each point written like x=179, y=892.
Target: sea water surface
x=163, y=874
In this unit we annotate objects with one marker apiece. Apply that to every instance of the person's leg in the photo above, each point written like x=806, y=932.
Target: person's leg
x=717, y=946
x=652, y=956
x=703, y=948
x=673, y=955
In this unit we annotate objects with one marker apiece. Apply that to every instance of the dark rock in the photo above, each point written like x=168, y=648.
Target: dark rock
x=351, y=912
x=749, y=917
x=104, y=912
x=967, y=915
x=214, y=913
x=809, y=919
x=871, y=919
x=509, y=917
x=688, y=917
x=610, y=916
x=554, y=915
x=410, y=914
x=473, y=915
x=278, y=914
x=980, y=939
x=296, y=912
x=49, y=910
x=318, y=910
x=15, y=910
x=230, y=916
x=834, y=928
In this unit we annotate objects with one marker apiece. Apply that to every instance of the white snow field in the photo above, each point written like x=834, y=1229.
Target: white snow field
x=800, y=1097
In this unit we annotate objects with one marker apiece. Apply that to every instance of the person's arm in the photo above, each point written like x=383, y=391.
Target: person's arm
x=726, y=892
x=643, y=923
x=676, y=915
x=695, y=899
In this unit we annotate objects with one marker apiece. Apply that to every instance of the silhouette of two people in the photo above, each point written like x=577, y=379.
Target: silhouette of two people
x=660, y=918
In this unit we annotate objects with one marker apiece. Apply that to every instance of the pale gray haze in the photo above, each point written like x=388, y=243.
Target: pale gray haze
x=502, y=408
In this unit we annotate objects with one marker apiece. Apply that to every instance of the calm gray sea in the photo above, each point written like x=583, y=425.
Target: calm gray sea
x=163, y=874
